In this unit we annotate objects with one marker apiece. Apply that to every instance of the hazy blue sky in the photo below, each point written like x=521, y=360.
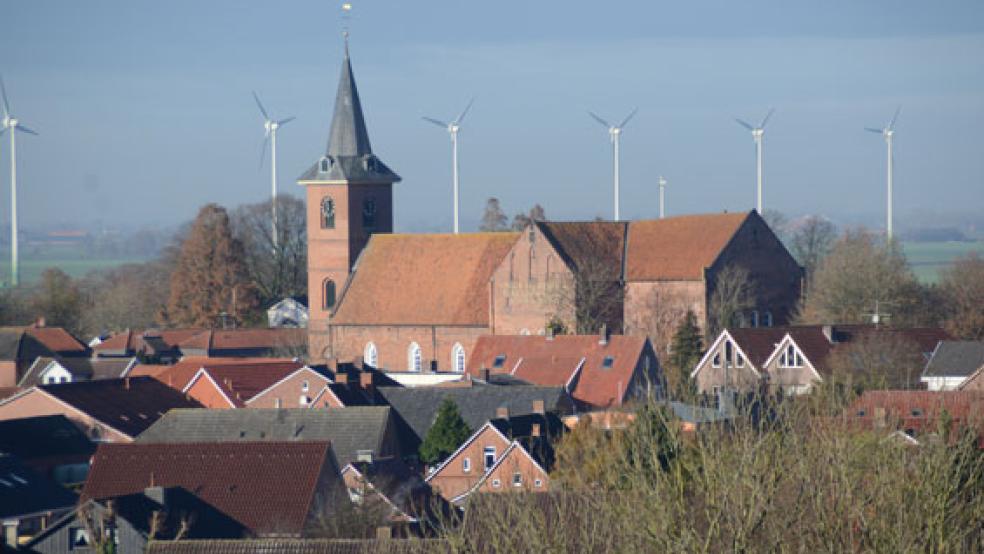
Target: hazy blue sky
x=145, y=108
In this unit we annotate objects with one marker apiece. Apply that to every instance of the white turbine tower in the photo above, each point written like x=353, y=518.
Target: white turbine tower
x=270, y=127
x=757, y=133
x=615, y=132
x=888, y=132
x=9, y=122
x=452, y=129
x=662, y=186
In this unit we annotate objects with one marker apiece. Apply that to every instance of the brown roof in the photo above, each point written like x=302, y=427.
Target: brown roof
x=678, y=248
x=593, y=246
x=180, y=374
x=399, y=279
x=133, y=341
x=758, y=343
x=240, y=382
x=58, y=340
x=552, y=362
x=128, y=405
x=265, y=486
x=233, y=339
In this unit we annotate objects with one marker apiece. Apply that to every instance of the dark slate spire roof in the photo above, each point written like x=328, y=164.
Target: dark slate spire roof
x=349, y=153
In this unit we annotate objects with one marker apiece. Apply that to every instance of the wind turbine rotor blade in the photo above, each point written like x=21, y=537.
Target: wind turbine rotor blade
x=600, y=120
x=260, y=106
x=627, y=118
x=891, y=124
x=3, y=93
x=745, y=124
x=24, y=129
x=437, y=122
x=285, y=121
x=263, y=151
x=766, y=118
x=873, y=130
x=464, y=112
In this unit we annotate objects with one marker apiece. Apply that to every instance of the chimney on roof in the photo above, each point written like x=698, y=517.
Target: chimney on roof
x=40, y=322
x=367, y=380
x=539, y=407
x=828, y=331
x=364, y=456
x=157, y=494
x=126, y=383
x=502, y=412
x=535, y=430
x=549, y=332
x=603, y=338
x=486, y=374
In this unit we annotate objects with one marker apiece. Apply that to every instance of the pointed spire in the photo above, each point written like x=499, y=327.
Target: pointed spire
x=349, y=136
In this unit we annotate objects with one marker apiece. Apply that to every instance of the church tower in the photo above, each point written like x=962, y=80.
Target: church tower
x=349, y=197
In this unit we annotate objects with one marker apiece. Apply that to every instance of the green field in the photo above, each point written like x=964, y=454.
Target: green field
x=30, y=270
x=928, y=258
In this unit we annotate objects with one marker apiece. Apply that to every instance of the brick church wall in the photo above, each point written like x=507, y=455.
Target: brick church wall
x=393, y=343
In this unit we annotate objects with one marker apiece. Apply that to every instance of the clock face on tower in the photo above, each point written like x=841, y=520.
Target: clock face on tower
x=369, y=213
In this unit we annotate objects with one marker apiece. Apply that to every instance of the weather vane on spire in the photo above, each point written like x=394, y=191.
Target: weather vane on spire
x=346, y=17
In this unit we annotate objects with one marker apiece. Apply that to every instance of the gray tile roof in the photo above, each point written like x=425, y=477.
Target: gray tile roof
x=348, y=149
x=954, y=358
x=82, y=369
x=417, y=407
x=349, y=429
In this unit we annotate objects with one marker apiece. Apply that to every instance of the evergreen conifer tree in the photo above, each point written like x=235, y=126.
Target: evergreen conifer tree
x=446, y=435
x=687, y=350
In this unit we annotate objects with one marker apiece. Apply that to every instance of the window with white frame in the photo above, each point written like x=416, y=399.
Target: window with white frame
x=790, y=357
x=370, y=355
x=716, y=360
x=458, y=358
x=305, y=386
x=466, y=465
x=496, y=483
x=538, y=483
x=489, y=454
x=414, y=359
x=517, y=479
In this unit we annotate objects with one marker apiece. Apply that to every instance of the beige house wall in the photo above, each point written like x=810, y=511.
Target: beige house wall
x=35, y=403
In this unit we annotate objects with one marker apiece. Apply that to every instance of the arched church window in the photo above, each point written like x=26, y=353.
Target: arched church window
x=328, y=298
x=414, y=362
x=458, y=358
x=327, y=213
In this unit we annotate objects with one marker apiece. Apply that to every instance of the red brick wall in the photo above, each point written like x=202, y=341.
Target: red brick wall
x=290, y=390
x=453, y=479
x=393, y=342
x=516, y=462
x=205, y=392
x=8, y=374
x=531, y=285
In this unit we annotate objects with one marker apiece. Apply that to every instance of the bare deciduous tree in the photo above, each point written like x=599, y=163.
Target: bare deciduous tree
x=811, y=241
x=660, y=314
x=493, y=218
x=593, y=295
x=733, y=293
x=962, y=286
x=277, y=270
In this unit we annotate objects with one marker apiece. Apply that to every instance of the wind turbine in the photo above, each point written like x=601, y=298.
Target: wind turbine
x=662, y=185
x=888, y=132
x=270, y=127
x=9, y=122
x=452, y=129
x=615, y=132
x=757, y=133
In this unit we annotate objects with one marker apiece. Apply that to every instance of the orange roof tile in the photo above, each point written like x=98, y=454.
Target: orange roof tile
x=678, y=248
x=552, y=362
x=433, y=279
x=180, y=374
x=240, y=382
x=57, y=340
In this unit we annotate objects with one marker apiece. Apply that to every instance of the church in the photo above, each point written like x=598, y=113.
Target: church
x=419, y=302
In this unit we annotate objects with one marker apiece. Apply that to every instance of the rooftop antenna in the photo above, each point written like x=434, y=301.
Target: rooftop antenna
x=270, y=127
x=877, y=316
x=757, y=134
x=615, y=132
x=9, y=122
x=452, y=129
x=888, y=132
x=662, y=205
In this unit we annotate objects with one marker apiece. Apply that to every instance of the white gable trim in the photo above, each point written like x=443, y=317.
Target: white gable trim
x=208, y=376
x=290, y=375
x=786, y=340
x=515, y=367
x=725, y=335
x=129, y=367
x=321, y=393
x=513, y=446
x=464, y=445
x=574, y=374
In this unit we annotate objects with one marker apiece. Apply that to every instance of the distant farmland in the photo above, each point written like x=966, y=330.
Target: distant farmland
x=929, y=258
x=31, y=269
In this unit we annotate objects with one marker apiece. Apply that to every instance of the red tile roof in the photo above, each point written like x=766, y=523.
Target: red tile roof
x=58, y=340
x=180, y=374
x=919, y=411
x=242, y=382
x=552, y=362
x=399, y=280
x=265, y=486
x=678, y=248
x=245, y=338
x=133, y=341
x=595, y=247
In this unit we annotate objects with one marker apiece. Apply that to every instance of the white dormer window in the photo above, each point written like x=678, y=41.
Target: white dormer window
x=326, y=164
x=768, y=319
x=414, y=358
x=458, y=358
x=790, y=358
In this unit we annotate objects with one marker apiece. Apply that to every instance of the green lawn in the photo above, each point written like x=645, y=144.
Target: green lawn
x=928, y=258
x=30, y=270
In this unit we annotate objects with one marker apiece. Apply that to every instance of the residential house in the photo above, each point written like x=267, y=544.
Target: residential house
x=365, y=429
x=389, y=485
x=245, y=342
x=108, y=410
x=974, y=382
x=179, y=374
x=919, y=414
x=270, y=488
x=508, y=453
x=418, y=302
x=158, y=345
x=28, y=501
x=18, y=350
x=290, y=312
x=232, y=386
x=416, y=408
x=52, y=446
x=793, y=359
x=48, y=371
x=598, y=371
x=130, y=521
x=953, y=363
